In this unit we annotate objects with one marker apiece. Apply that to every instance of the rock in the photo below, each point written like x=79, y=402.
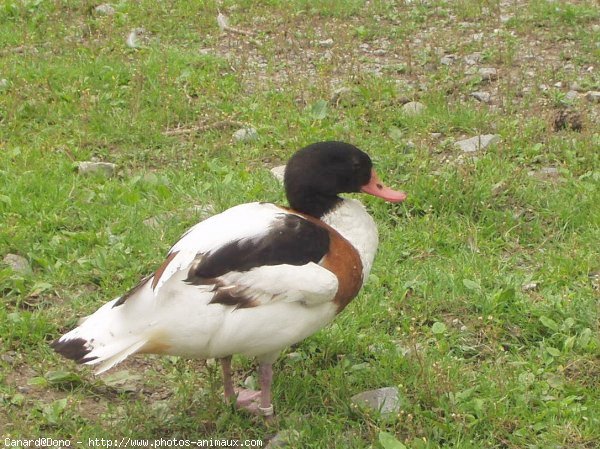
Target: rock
x=18, y=264
x=484, y=97
x=473, y=58
x=380, y=52
x=413, y=108
x=504, y=18
x=138, y=37
x=278, y=172
x=91, y=167
x=384, y=400
x=327, y=43
x=576, y=87
x=593, y=96
x=529, y=287
x=477, y=143
x=340, y=94
x=545, y=173
x=435, y=135
x=245, y=134
x=488, y=73
x=104, y=9
x=478, y=36
x=284, y=438
x=4, y=84
x=571, y=96
x=448, y=59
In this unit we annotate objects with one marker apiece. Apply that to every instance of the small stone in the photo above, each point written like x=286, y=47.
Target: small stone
x=284, y=438
x=572, y=95
x=477, y=143
x=245, y=134
x=473, y=58
x=327, y=43
x=413, y=108
x=558, y=85
x=545, y=173
x=379, y=52
x=484, y=97
x=7, y=358
x=91, y=167
x=339, y=95
x=488, y=73
x=576, y=87
x=448, y=59
x=278, y=172
x=504, y=18
x=3, y=84
x=529, y=287
x=18, y=264
x=384, y=400
x=104, y=9
x=478, y=36
x=435, y=135
x=138, y=37
x=593, y=96
x=23, y=389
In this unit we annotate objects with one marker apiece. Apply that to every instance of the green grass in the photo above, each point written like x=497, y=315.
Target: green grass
x=479, y=361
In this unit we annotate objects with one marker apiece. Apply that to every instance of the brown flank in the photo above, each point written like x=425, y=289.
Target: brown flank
x=343, y=260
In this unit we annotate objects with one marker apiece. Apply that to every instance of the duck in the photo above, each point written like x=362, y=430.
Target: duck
x=251, y=280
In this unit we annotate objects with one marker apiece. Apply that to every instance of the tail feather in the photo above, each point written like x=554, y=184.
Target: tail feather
x=109, y=335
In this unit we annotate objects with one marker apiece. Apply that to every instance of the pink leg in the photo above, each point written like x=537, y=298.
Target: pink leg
x=266, y=378
x=256, y=402
x=229, y=392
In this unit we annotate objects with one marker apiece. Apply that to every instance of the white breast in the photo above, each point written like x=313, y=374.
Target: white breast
x=351, y=220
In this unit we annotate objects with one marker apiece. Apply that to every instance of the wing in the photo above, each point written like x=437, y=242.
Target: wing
x=252, y=254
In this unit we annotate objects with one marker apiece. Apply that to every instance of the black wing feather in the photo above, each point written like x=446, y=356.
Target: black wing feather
x=291, y=240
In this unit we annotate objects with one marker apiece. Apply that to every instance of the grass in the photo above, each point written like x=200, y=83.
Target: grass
x=482, y=307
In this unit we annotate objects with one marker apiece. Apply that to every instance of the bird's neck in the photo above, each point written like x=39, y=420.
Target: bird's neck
x=350, y=218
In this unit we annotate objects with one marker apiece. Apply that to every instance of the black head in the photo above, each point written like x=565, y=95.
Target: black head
x=316, y=174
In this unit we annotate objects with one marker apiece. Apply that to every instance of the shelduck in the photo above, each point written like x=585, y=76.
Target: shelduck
x=251, y=280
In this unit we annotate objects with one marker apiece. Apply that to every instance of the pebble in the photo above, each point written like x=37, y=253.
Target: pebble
x=105, y=9
x=327, y=43
x=593, y=96
x=488, y=73
x=484, y=97
x=278, y=172
x=384, y=400
x=91, y=167
x=245, y=134
x=477, y=143
x=571, y=95
x=435, y=135
x=137, y=38
x=413, y=108
x=576, y=87
x=339, y=94
x=473, y=58
x=448, y=59
x=18, y=264
x=3, y=83
x=529, y=287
